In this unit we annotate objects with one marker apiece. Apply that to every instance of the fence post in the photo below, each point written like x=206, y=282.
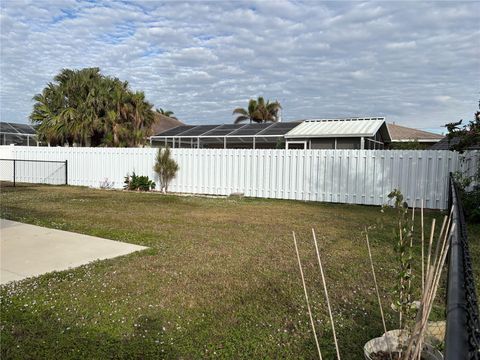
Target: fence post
x=14, y=166
x=66, y=172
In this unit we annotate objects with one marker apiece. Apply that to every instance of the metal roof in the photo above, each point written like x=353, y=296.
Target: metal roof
x=351, y=127
x=16, y=129
x=228, y=130
x=18, y=134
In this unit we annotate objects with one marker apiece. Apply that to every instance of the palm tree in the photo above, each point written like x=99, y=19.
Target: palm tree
x=168, y=113
x=46, y=115
x=142, y=113
x=88, y=108
x=258, y=111
x=246, y=114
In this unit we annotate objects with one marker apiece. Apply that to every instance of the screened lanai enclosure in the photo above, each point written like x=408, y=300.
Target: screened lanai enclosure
x=17, y=134
x=226, y=136
x=349, y=133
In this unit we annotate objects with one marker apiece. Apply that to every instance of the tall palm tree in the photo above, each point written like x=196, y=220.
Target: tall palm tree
x=46, y=115
x=258, y=111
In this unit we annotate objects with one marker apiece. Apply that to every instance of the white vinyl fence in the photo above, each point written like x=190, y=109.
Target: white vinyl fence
x=343, y=176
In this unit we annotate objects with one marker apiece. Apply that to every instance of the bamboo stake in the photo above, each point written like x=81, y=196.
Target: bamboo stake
x=429, y=278
x=378, y=293
x=421, y=313
x=444, y=244
x=433, y=291
x=428, y=296
x=441, y=241
x=326, y=294
x=419, y=320
x=423, y=241
x=306, y=297
x=440, y=237
x=432, y=231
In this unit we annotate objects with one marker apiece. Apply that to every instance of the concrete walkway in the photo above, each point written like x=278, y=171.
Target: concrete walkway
x=28, y=250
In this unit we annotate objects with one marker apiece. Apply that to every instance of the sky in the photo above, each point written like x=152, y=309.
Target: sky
x=417, y=63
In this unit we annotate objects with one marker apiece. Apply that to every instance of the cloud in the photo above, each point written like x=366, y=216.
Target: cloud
x=402, y=45
x=412, y=62
x=442, y=98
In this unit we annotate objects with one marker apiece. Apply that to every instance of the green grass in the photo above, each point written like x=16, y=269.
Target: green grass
x=220, y=279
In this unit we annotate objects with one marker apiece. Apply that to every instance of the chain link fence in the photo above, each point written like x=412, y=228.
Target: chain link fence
x=462, y=338
x=16, y=171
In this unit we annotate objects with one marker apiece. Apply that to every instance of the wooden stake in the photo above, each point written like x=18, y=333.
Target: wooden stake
x=378, y=293
x=326, y=294
x=432, y=232
x=440, y=241
x=423, y=246
x=433, y=290
x=306, y=297
x=434, y=272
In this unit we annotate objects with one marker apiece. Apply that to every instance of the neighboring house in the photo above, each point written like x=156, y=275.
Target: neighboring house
x=446, y=144
x=403, y=134
x=163, y=123
x=17, y=134
x=353, y=133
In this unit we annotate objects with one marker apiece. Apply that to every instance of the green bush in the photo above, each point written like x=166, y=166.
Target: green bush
x=140, y=183
x=469, y=190
x=471, y=204
x=409, y=145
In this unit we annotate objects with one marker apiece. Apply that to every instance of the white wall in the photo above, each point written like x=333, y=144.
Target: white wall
x=344, y=176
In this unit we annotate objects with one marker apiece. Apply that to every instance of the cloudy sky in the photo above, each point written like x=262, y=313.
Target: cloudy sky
x=418, y=63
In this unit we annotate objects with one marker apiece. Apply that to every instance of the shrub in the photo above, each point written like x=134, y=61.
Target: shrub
x=140, y=183
x=409, y=145
x=106, y=184
x=165, y=167
x=471, y=204
x=469, y=189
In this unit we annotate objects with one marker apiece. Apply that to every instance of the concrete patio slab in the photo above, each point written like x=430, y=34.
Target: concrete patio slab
x=29, y=250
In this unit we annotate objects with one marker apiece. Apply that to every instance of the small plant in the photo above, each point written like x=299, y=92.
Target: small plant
x=139, y=183
x=403, y=303
x=106, y=184
x=165, y=167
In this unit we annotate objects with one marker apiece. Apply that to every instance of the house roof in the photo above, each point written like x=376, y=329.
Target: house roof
x=350, y=127
x=404, y=134
x=446, y=144
x=163, y=123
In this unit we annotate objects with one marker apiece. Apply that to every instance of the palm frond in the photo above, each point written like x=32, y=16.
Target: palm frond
x=241, y=118
x=240, y=111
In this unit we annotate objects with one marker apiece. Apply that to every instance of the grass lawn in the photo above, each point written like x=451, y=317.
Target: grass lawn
x=220, y=280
